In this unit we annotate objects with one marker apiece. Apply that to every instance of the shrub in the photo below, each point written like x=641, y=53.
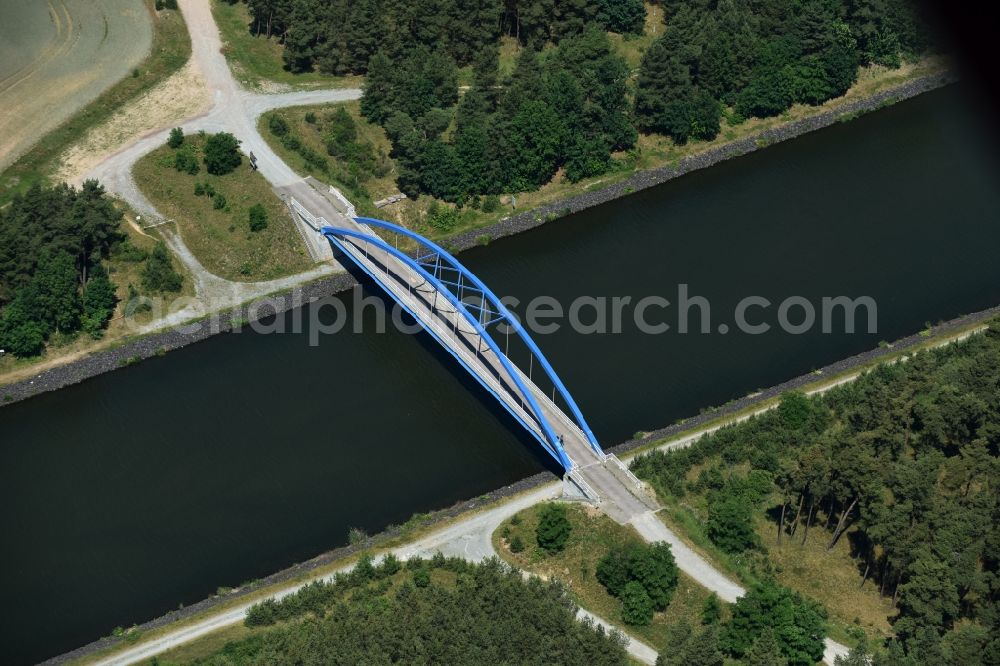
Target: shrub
x=218, y=201
x=313, y=158
x=637, y=607
x=127, y=251
x=799, y=624
x=421, y=577
x=186, y=159
x=443, y=218
x=342, y=132
x=390, y=565
x=311, y=118
x=730, y=520
x=553, y=528
x=516, y=544
x=651, y=566
x=199, y=189
x=711, y=611
x=134, y=303
x=159, y=273
x=258, y=218
x=277, y=125
x=222, y=153
x=176, y=138
x=491, y=203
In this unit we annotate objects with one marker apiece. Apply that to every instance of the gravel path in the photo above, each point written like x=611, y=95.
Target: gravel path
x=233, y=110
x=470, y=539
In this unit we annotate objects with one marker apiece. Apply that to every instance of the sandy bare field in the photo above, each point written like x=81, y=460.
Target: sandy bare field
x=57, y=56
x=181, y=96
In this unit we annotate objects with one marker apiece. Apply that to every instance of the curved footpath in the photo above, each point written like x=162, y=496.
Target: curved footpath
x=234, y=110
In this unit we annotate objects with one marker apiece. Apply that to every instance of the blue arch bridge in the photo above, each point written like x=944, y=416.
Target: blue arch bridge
x=458, y=310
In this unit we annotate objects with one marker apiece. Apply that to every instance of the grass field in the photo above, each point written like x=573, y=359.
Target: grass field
x=221, y=238
x=631, y=47
x=256, y=61
x=593, y=535
x=831, y=578
x=170, y=50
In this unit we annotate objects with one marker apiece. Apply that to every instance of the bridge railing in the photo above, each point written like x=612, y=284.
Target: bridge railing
x=585, y=487
x=316, y=223
x=615, y=460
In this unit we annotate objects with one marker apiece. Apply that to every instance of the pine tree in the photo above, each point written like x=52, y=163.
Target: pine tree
x=378, y=99
x=711, y=611
x=159, y=273
x=663, y=78
x=553, y=528
x=221, y=153
x=301, y=36
x=765, y=651
x=54, y=293
x=678, y=636
x=623, y=16
x=99, y=300
x=637, y=607
x=703, y=649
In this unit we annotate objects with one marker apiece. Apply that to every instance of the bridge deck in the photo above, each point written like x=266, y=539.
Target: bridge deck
x=600, y=475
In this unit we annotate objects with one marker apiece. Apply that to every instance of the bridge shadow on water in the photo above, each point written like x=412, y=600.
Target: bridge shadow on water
x=371, y=289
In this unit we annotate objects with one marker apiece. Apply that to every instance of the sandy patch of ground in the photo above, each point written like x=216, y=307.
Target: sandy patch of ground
x=178, y=98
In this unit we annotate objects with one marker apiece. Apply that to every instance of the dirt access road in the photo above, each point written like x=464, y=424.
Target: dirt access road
x=234, y=110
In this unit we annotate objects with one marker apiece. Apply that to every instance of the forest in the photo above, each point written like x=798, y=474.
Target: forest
x=54, y=247
x=571, y=102
x=437, y=611
x=52, y=243
x=451, y=611
x=904, y=464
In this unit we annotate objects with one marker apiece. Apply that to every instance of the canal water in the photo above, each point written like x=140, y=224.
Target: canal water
x=152, y=486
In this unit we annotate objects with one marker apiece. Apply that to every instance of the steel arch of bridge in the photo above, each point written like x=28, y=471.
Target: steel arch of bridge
x=444, y=272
